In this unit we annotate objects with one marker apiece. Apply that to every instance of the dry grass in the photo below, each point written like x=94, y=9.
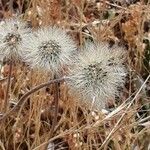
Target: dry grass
x=126, y=124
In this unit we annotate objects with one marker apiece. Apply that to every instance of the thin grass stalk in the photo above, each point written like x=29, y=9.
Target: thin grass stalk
x=11, y=6
x=2, y=80
x=6, y=100
x=56, y=104
x=22, y=100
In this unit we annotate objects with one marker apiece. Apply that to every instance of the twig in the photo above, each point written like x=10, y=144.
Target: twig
x=11, y=6
x=3, y=79
x=121, y=118
x=6, y=101
x=56, y=104
x=144, y=119
x=114, y=5
x=2, y=145
x=22, y=100
x=56, y=99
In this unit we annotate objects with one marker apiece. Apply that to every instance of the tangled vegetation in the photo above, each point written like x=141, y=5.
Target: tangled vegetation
x=29, y=118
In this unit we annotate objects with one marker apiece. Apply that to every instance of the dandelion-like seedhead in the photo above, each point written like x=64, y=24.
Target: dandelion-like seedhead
x=98, y=73
x=49, y=48
x=12, y=32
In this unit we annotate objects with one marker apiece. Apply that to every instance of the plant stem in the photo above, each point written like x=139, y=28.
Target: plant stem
x=3, y=79
x=56, y=99
x=24, y=97
x=6, y=100
x=11, y=6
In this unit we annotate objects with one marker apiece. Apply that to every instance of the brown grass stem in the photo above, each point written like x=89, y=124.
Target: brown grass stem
x=123, y=115
x=3, y=79
x=24, y=97
x=56, y=99
x=11, y=6
x=56, y=109
x=6, y=100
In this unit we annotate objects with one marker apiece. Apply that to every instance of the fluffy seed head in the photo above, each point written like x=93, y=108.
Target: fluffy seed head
x=12, y=31
x=49, y=48
x=98, y=73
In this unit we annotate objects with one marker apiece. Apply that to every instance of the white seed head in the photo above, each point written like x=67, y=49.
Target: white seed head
x=12, y=31
x=49, y=48
x=98, y=73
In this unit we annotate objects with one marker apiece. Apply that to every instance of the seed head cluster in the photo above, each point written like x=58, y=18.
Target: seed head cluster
x=97, y=74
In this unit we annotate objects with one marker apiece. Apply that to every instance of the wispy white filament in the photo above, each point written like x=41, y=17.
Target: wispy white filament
x=98, y=73
x=12, y=31
x=50, y=49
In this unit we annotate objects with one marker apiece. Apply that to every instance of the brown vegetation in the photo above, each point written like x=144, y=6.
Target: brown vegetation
x=126, y=124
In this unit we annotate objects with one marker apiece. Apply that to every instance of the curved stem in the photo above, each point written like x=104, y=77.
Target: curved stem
x=3, y=79
x=24, y=97
x=6, y=101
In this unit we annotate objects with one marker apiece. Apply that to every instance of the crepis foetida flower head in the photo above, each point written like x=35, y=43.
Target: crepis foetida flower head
x=12, y=33
x=49, y=48
x=98, y=72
